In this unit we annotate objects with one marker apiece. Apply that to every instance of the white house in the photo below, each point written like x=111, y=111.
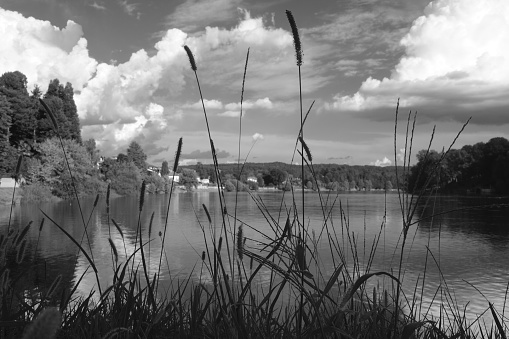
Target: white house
x=9, y=182
x=205, y=181
x=251, y=179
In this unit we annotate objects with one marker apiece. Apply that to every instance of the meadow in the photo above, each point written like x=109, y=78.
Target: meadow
x=303, y=298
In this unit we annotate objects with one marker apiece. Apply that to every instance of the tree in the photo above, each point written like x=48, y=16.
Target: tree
x=71, y=112
x=50, y=168
x=121, y=157
x=135, y=154
x=90, y=146
x=7, y=153
x=22, y=110
x=125, y=177
x=45, y=129
x=189, y=178
x=60, y=99
x=164, y=169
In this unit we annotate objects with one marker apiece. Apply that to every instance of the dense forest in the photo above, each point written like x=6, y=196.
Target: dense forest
x=473, y=168
x=25, y=129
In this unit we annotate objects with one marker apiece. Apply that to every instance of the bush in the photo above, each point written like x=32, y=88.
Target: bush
x=37, y=192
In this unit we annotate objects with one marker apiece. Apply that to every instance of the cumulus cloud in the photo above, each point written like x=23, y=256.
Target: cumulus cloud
x=137, y=99
x=381, y=163
x=43, y=52
x=455, y=63
x=257, y=136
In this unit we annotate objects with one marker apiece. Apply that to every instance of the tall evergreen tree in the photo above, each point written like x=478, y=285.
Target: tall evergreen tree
x=61, y=101
x=13, y=85
x=71, y=112
x=7, y=154
x=164, y=168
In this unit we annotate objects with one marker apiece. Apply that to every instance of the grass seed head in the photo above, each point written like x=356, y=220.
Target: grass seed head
x=108, y=199
x=177, y=156
x=21, y=252
x=240, y=242
x=296, y=38
x=118, y=228
x=114, y=249
x=142, y=194
x=300, y=254
x=150, y=224
x=306, y=149
x=191, y=58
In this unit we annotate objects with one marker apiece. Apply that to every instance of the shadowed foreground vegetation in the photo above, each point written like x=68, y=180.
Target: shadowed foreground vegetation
x=301, y=298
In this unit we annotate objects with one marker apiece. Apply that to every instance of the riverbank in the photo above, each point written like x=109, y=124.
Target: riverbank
x=6, y=196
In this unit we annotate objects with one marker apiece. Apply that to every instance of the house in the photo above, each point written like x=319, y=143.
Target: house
x=205, y=181
x=153, y=170
x=251, y=179
x=6, y=181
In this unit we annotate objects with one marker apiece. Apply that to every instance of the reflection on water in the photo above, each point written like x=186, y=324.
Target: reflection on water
x=470, y=245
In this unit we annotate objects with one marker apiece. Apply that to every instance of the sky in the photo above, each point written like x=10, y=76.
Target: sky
x=447, y=60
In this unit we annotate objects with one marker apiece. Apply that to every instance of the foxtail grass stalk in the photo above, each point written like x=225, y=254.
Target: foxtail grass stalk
x=214, y=157
x=175, y=167
x=298, y=55
x=239, y=171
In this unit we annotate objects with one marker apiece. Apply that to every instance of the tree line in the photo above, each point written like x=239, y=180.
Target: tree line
x=482, y=166
x=324, y=176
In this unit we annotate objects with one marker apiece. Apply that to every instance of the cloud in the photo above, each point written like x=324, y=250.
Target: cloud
x=230, y=114
x=233, y=109
x=130, y=9
x=209, y=104
x=193, y=15
x=260, y=103
x=455, y=63
x=197, y=154
x=382, y=163
x=137, y=99
x=257, y=136
x=43, y=52
x=97, y=6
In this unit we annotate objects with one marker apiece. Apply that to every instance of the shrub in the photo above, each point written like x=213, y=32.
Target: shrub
x=37, y=192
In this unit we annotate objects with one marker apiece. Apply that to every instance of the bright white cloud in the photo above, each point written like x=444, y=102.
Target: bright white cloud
x=257, y=136
x=264, y=103
x=209, y=104
x=382, y=163
x=43, y=52
x=456, y=57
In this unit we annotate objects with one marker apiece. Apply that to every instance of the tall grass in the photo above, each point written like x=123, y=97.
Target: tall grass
x=302, y=297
